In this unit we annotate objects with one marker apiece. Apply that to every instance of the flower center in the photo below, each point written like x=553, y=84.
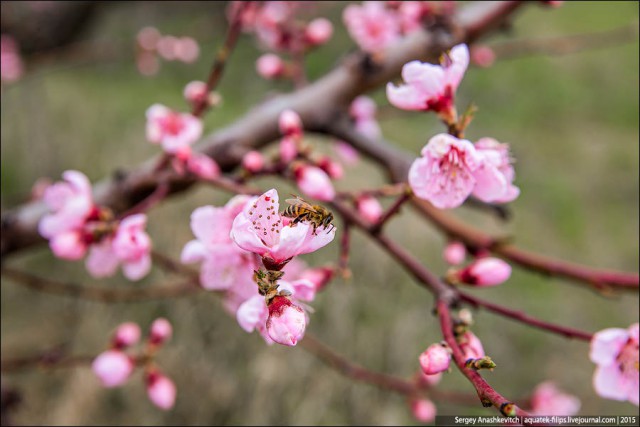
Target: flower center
x=628, y=360
x=172, y=124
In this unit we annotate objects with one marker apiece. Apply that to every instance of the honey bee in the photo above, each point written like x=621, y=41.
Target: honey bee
x=316, y=215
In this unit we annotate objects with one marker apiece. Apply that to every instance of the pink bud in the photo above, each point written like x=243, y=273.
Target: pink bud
x=203, y=166
x=148, y=38
x=187, y=50
x=161, y=331
x=429, y=380
x=434, y=359
x=319, y=276
x=333, y=169
x=113, y=367
x=454, y=253
x=483, y=56
x=161, y=390
x=286, y=322
x=270, y=66
x=471, y=346
x=369, y=208
x=319, y=31
x=423, y=410
x=485, y=272
x=288, y=149
x=253, y=161
x=147, y=63
x=167, y=47
x=126, y=335
x=195, y=91
x=290, y=123
x=314, y=182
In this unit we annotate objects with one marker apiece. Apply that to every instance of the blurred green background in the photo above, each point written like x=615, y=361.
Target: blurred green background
x=572, y=122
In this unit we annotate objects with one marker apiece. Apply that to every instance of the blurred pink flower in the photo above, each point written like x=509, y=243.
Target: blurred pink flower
x=547, y=399
x=347, y=153
x=172, y=129
x=290, y=123
x=112, y=367
x=259, y=228
x=371, y=25
x=423, y=410
x=253, y=161
x=331, y=167
x=482, y=56
x=186, y=49
x=161, y=390
x=318, y=31
x=195, y=92
x=615, y=352
x=411, y=14
x=471, y=346
x=454, y=253
x=369, y=208
x=132, y=246
x=314, y=182
x=319, y=276
x=486, y=271
x=126, y=335
x=148, y=38
x=160, y=331
x=166, y=47
x=436, y=358
x=270, y=66
x=431, y=87
x=11, y=66
x=286, y=322
x=495, y=174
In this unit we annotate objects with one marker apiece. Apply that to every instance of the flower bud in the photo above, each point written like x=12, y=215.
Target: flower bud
x=423, y=410
x=454, y=253
x=485, y=272
x=270, y=66
x=318, y=31
x=471, y=346
x=319, y=276
x=332, y=168
x=290, y=123
x=161, y=390
x=126, y=335
x=369, y=208
x=161, y=331
x=112, y=367
x=253, y=161
x=436, y=358
x=195, y=92
x=482, y=56
x=286, y=322
x=314, y=182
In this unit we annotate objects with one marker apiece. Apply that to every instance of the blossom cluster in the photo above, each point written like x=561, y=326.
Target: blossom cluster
x=152, y=44
x=76, y=225
x=115, y=366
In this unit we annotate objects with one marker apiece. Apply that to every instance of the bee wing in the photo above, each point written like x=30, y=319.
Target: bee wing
x=299, y=202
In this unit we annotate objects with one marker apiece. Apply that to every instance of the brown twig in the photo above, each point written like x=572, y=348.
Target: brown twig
x=389, y=213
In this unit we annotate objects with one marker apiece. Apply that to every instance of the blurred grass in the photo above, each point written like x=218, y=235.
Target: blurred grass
x=572, y=122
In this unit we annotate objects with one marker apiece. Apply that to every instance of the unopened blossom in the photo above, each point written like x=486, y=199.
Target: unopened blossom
x=148, y=38
x=290, y=123
x=547, y=399
x=331, y=167
x=259, y=228
x=196, y=92
x=615, y=352
x=346, y=153
x=186, y=49
x=318, y=31
x=270, y=66
x=454, y=253
x=11, y=66
x=430, y=87
x=318, y=276
x=495, y=174
x=444, y=173
x=286, y=322
x=161, y=331
x=171, y=129
x=185, y=161
x=314, y=182
x=486, y=271
x=166, y=47
x=223, y=264
x=436, y=358
x=288, y=149
x=424, y=410
x=161, y=390
x=482, y=56
x=471, y=346
x=371, y=25
x=253, y=161
x=126, y=335
x=369, y=208
x=112, y=367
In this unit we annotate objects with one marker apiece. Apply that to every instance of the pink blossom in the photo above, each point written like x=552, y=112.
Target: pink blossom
x=429, y=380
x=363, y=111
x=369, y=208
x=615, y=352
x=166, y=47
x=161, y=390
x=132, y=246
x=411, y=14
x=444, y=173
x=495, y=174
x=260, y=229
x=290, y=123
x=112, y=367
x=69, y=245
x=318, y=31
x=196, y=92
x=171, y=129
x=270, y=66
x=314, y=182
x=148, y=38
x=11, y=66
x=454, y=253
x=431, y=87
x=331, y=167
x=224, y=264
x=436, y=358
x=252, y=315
x=471, y=346
x=482, y=56
x=547, y=399
x=319, y=276
x=126, y=335
x=161, y=331
x=288, y=148
x=347, y=153
x=147, y=63
x=203, y=166
x=186, y=49
x=253, y=161
x=286, y=322
x=372, y=26
x=486, y=271
x=423, y=410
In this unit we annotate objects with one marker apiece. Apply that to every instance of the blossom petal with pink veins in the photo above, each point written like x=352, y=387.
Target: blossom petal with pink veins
x=252, y=313
x=209, y=224
x=68, y=245
x=406, y=97
x=193, y=251
x=102, y=261
x=606, y=345
x=137, y=269
x=243, y=233
x=264, y=216
x=609, y=383
x=427, y=79
x=459, y=56
x=444, y=192
x=491, y=185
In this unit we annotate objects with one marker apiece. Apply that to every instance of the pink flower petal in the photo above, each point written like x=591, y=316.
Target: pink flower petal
x=606, y=345
x=102, y=261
